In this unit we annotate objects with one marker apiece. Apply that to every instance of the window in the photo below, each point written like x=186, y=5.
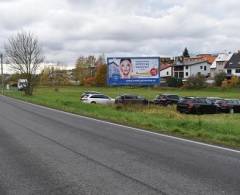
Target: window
x=186, y=67
x=130, y=97
x=229, y=71
x=180, y=74
x=167, y=73
x=237, y=70
x=201, y=67
x=99, y=96
x=205, y=68
x=186, y=74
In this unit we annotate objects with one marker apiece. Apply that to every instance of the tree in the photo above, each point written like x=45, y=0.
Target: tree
x=219, y=78
x=84, y=68
x=100, y=60
x=24, y=55
x=45, y=76
x=101, y=75
x=60, y=77
x=186, y=53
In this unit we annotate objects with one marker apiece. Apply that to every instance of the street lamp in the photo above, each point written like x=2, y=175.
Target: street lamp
x=1, y=56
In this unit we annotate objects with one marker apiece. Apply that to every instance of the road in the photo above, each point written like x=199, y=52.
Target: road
x=43, y=151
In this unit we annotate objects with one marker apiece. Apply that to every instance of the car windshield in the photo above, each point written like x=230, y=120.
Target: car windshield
x=130, y=97
x=140, y=97
x=233, y=102
x=201, y=100
x=174, y=97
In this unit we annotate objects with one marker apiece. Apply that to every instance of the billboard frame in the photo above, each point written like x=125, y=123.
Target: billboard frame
x=134, y=84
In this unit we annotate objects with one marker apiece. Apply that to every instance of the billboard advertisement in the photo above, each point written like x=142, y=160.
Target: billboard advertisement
x=133, y=71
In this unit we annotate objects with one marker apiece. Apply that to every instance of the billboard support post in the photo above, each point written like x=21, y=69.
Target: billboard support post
x=2, y=80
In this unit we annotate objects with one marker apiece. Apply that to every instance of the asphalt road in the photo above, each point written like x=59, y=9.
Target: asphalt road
x=43, y=151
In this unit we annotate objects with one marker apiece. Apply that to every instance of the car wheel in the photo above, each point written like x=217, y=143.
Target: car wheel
x=93, y=102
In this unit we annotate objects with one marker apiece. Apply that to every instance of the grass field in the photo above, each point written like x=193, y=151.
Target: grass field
x=221, y=129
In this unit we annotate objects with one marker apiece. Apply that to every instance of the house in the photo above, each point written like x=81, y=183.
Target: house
x=186, y=67
x=232, y=67
x=166, y=70
x=219, y=63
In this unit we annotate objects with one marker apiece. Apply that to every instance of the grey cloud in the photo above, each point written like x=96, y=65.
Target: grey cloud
x=69, y=28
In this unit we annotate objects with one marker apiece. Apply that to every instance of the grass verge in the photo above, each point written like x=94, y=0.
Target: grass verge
x=220, y=129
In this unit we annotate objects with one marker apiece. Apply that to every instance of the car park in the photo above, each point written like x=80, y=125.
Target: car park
x=196, y=106
x=188, y=105
x=97, y=99
x=131, y=99
x=166, y=99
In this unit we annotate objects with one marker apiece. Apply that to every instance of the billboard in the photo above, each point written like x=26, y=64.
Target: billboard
x=133, y=71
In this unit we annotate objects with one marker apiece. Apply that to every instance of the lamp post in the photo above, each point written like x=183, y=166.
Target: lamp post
x=1, y=56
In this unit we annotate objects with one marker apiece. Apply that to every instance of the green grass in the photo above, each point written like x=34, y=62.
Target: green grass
x=221, y=129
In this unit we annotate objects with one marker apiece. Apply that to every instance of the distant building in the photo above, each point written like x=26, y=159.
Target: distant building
x=166, y=70
x=219, y=63
x=232, y=67
x=185, y=67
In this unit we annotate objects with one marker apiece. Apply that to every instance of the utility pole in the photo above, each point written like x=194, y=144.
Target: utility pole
x=1, y=56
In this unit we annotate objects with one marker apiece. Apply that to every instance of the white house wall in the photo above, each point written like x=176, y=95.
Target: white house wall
x=163, y=73
x=233, y=72
x=196, y=68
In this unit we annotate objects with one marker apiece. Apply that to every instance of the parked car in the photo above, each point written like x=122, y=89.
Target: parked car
x=166, y=99
x=97, y=99
x=131, y=99
x=228, y=106
x=196, y=106
x=88, y=93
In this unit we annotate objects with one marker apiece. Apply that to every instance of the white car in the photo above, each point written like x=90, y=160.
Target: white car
x=22, y=84
x=97, y=99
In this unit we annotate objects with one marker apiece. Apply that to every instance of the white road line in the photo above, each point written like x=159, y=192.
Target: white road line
x=132, y=128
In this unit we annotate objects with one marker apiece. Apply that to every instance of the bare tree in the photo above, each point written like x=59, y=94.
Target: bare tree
x=24, y=55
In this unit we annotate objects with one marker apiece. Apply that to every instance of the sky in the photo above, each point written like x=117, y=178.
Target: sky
x=67, y=29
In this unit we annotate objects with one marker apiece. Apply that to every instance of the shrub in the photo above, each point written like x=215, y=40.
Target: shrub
x=174, y=82
x=219, y=78
x=196, y=82
x=89, y=81
x=233, y=82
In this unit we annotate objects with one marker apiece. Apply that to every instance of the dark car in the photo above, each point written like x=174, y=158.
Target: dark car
x=196, y=106
x=89, y=92
x=131, y=99
x=166, y=99
x=228, y=106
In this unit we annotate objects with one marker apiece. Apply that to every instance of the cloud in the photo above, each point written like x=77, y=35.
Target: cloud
x=69, y=28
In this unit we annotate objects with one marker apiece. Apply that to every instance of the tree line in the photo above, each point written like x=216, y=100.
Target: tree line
x=24, y=55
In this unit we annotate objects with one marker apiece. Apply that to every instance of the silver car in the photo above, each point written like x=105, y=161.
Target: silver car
x=97, y=99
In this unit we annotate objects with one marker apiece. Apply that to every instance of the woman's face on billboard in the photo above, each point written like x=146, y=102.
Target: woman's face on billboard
x=125, y=67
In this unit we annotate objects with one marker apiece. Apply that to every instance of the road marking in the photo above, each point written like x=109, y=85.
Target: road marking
x=127, y=127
